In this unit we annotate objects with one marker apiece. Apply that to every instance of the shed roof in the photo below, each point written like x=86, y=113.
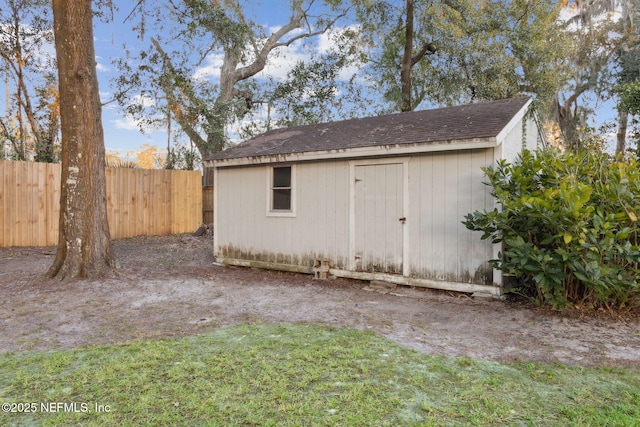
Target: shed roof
x=465, y=122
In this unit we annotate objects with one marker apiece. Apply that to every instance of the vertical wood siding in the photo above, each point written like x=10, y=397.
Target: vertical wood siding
x=318, y=230
x=515, y=141
x=139, y=202
x=378, y=207
x=443, y=188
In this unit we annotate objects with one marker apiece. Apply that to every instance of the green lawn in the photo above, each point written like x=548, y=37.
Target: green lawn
x=303, y=375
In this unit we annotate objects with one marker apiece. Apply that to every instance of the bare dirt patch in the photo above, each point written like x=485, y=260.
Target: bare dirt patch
x=170, y=286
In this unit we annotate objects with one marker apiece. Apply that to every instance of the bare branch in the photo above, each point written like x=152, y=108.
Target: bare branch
x=174, y=106
x=133, y=10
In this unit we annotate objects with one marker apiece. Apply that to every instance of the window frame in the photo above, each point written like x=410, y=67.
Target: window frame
x=271, y=212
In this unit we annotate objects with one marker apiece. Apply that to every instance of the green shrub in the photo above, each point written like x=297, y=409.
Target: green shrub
x=569, y=227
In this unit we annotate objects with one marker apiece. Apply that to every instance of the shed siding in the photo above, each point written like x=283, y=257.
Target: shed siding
x=515, y=141
x=443, y=188
x=318, y=230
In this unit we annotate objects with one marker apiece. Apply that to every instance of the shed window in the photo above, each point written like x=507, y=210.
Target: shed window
x=281, y=189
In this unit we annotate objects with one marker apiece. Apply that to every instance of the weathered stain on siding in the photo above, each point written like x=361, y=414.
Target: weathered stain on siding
x=303, y=260
x=483, y=275
x=379, y=266
x=318, y=227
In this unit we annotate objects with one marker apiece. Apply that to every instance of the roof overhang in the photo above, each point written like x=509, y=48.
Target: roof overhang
x=363, y=152
x=515, y=120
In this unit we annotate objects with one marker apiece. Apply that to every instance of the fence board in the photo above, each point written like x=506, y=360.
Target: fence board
x=18, y=204
x=41, y=225
x=4, y=206
x=145, y=188
x=52, y=209
x=207, y=204
x=139, y=202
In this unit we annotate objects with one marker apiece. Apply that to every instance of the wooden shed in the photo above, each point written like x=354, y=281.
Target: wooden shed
x=377, y=198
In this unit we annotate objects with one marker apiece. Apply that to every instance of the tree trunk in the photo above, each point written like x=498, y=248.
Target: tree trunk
x=405, y=70
x=84, y=244
x=623, y=118
x=567, y=123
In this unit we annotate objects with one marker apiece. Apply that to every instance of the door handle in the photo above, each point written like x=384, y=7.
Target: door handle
x=403, y=219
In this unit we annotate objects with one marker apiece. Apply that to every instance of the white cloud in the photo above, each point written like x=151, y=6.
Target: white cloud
x=144, y=100
x=281, y=61
x=46, y=51
x=211, y=67
x=108, y=103
x=128, y=123
x=101, y=68
x=327, y=40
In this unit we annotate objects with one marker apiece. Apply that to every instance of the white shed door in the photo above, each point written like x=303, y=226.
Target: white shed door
x=379, y=218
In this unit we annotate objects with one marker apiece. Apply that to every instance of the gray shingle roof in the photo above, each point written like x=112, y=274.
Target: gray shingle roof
x=482, y=120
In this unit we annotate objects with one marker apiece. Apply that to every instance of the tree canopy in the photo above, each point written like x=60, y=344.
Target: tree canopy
x=223, y=35
x=463, y=50
x=209, y=64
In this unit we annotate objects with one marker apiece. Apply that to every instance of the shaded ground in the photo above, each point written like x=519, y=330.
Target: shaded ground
x=169, y=286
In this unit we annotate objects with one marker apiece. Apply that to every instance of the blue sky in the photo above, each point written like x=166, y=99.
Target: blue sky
x=108, y=40
x=121, y=133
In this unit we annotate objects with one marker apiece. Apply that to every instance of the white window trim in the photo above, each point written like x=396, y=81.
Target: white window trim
x=281, y=213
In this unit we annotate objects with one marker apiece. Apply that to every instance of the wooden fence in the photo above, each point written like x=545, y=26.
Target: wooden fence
x=207, y=196
x=139, y=202
x=207, y=205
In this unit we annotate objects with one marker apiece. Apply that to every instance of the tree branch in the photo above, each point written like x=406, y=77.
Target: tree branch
x=137, y=5
x=272, y=43
x=427, y=49
x=174, y=106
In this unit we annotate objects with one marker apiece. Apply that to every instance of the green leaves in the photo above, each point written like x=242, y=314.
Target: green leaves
x=485, y=50
x=569, y=227
x=629, y=97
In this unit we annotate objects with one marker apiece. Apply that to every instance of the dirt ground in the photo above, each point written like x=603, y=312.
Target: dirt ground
x=170, y=286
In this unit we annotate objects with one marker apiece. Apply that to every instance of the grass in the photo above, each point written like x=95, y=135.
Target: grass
x=305, y=375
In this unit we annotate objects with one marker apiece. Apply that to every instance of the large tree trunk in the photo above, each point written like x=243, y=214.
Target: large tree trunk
x=567, y=122
x=84, y=245
x=405, y=69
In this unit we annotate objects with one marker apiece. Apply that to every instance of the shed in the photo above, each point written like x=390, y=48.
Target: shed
x=376, y=198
